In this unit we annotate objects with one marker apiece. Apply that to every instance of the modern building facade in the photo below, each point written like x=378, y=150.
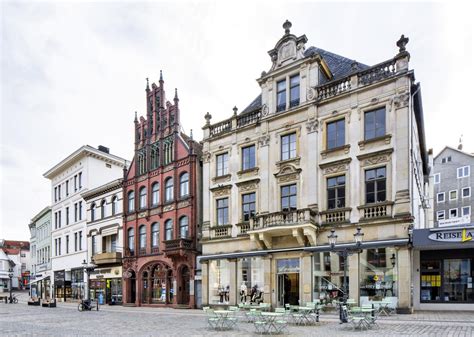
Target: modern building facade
x=444, y=252
x=84, y=169
x=329, y=143
x=161, y=208
x=104, y=206
x=40, y=241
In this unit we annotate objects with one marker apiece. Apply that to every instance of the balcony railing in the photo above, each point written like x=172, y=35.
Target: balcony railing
x=178, y=246
x=220, y=128
x=249, y=118
x=337, y=215
x=377, y=210
x=334, y=88
x=107, y=258
x=221, y=232
x=378, y=72
x=296, y=217
x=244, y=227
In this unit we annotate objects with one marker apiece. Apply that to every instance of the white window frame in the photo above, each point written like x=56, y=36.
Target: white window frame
x=439, y=213
x=462, y=192
x=437, y=198
x=450, y=195
x=457, y=214
x=466, y=207
x=462, y=169
x=437, y=175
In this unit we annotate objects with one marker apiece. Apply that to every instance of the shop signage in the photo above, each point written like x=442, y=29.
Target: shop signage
x=462, y=220
x=460, y=235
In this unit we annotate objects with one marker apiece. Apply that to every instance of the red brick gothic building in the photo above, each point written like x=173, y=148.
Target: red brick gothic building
x=161, y=208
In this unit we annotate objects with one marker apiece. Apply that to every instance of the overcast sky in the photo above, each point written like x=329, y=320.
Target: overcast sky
x=74, y=73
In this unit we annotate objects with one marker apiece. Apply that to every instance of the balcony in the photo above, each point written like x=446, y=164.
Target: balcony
x=376, y=211
x=178, y=247
x=107, y=258
x=220, y=232
x=301, y=224
x=336, y=216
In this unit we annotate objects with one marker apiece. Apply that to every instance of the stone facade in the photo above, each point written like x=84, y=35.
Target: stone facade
x=161, y=208
x=330, y=143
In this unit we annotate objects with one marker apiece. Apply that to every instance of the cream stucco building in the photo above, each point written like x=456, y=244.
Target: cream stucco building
x=329, y=143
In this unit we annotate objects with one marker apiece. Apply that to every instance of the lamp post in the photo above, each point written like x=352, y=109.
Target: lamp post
x=10, y=275
x=88, y=269
x=344, y=253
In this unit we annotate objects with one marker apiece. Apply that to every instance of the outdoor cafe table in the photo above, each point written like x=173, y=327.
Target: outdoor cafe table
x=223, y=315
x=367, y=313
x=301, y=315
x=270, y=318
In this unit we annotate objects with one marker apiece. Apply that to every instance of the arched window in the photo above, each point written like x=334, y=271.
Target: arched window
x=114, y=204
x=142, y=241
x=183, y=227
x=131, y=201
x=169, y=189
x=184, y=184
x=102, y=209
x=131, y=239
x=93, y=211
x=155, y=194
x=169, y=229
x=142, y=203
x=155, y=234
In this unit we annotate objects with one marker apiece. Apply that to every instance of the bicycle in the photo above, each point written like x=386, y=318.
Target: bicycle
x=87, y=305
x=13, y=299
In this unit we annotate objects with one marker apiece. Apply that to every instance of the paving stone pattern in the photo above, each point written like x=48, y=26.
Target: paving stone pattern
x=66, y=320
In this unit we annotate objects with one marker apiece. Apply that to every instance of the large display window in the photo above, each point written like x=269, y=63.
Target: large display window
x=249, y=277
x=328, y=273
x=219, y=281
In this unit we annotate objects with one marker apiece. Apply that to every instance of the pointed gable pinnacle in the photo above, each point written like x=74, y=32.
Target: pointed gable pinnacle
x=136, y=119
x=176, y=99
x=147, y=85
x=161, y=76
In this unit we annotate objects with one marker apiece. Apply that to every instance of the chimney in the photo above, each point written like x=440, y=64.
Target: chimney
x=103, y=149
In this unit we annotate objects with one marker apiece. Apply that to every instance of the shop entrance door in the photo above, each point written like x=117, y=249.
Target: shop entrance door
x=288, y=289
x=184, y=286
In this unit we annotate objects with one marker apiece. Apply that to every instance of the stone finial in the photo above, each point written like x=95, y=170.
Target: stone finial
x=136, y=118
x=191, y=134
x=401, y=43
x=176, y=94
x=263, y=73
x=147, y=84
x=161, y=76
x=460, y=144
x=287, y=25
x=235, y=110
x=208, y=117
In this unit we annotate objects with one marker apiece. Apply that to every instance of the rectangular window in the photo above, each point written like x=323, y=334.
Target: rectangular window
x=248, y=157
x=466, y=211
x=336, y=134
x=59, y=219
x=75, y=212
x=281, y=96
x=94, y=244
x=75, y=242
x=67, y=244
x=59, y=246
x=294, y=91
x=80, y=210
x=113, y=243
x=453, y=195
x=453, y=213
x=223, y=211
x=288, y=198
x=437, y=178
x=248, y=206
x=67, y=188
x=75, y=183
x=375, y=185
x=80, y=240
x=55, y=247
x=463, y=171
x=222, y=160
x=59, y=192
x=466, y=192
x=336, y=192
x=80, y=180
x=288, y=146
x=440, y=197
x=56, y=194
x=440, y=215
x=55, y=220
x=374, y=124
x=67, y=215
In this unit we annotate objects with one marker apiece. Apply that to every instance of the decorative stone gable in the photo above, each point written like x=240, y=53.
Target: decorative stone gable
x=289, y=49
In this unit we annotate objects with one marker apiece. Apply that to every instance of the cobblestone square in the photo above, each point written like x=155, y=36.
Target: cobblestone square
x=65, y=320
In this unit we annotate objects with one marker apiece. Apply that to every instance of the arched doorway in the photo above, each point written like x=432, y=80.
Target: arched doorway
x=184, y=285
x=156, y=284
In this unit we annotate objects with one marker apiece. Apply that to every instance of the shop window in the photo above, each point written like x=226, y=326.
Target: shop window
x=219, y=281
x=328, y=282
x=430, y=271
x=250, y=274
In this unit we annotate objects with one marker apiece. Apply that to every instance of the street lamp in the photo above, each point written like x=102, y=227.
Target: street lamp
x=392, y=259
x=345, y=252
x=88, y=269
x=10, y=275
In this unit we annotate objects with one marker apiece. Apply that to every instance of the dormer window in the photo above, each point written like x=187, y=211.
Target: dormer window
x=294, y=91
x=281, y=96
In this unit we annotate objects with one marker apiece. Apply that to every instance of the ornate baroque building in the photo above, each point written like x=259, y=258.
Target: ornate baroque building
x=329, y=143
x=161, y=208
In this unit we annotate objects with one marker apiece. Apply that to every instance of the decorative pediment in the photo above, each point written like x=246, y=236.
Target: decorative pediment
x=248, y=185
x=221, y=190
x=288, y=49
x=374, y=158
x=287, y=173
x=335, y=166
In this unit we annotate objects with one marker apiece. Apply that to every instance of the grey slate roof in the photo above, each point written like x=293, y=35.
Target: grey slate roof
x=340, y=67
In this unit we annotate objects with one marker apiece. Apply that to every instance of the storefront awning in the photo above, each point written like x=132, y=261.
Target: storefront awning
x=323, y=248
